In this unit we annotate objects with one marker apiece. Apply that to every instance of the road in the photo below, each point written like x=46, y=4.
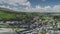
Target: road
x=7, y=31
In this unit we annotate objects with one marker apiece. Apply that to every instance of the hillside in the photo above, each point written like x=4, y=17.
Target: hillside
x=6, y=14
x=10, y=15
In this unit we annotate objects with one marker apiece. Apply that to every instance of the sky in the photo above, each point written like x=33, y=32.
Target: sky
x=32, y=5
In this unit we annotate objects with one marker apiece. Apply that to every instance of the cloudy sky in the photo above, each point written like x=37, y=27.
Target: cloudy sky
x=32, y=5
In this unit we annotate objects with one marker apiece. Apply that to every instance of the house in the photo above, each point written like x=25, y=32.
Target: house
x=58, y=24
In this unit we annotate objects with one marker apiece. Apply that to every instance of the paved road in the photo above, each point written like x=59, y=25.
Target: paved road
x=7, y=31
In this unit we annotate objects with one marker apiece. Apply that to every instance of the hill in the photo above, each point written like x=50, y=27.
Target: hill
x=11, y=15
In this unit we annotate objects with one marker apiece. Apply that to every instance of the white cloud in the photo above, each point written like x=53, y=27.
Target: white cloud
x=38, y=8
x=47, y=8
x=15, y=2
x=55, y=8
x=5, y=6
